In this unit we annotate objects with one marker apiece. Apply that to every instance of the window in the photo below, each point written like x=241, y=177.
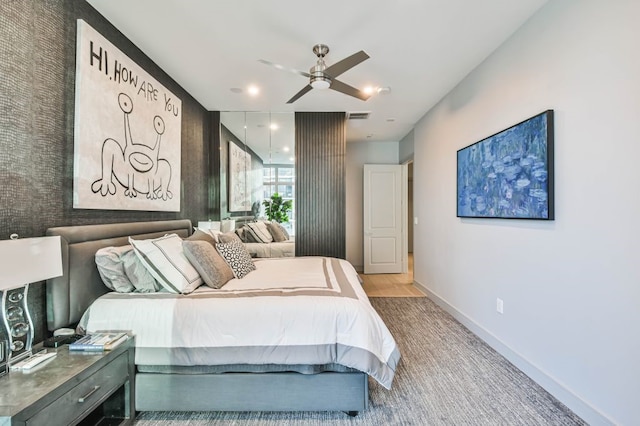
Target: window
x=281, y=178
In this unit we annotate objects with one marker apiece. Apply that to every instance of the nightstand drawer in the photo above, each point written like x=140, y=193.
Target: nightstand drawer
x=85, y=396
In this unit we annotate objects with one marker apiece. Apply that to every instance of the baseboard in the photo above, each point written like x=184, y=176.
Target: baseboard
x=583, y=409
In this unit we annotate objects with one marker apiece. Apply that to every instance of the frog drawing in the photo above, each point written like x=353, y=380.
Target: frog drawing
x=137, y=167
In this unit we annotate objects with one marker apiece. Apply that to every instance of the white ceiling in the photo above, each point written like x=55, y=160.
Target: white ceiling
x=420, y=49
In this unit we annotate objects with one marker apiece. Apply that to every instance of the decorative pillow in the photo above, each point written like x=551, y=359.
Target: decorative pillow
x=259, y=232
x=284, y=231
x=210, y=265
x=228, y=237
x=111, y=268
x=138, y=274
x=237, y=257
x=276, y=232
x=245, y=235
x=164, y=258
x=200, y=235
x=215, y=234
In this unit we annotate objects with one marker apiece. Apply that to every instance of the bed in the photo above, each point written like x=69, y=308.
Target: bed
x=226, y=378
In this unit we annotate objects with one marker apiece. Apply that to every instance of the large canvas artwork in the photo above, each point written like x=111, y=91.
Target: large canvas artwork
x=510, y=174
x=127, y=132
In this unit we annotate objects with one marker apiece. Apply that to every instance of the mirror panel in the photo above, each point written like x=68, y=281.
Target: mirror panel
x=257, y=159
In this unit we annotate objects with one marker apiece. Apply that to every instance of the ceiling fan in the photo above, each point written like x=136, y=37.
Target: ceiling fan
x=322, y=76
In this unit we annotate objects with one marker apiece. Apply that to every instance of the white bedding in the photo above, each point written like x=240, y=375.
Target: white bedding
x=281, y=249
x=309, y=310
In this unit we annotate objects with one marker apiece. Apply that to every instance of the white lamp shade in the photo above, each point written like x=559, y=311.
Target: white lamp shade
x=209, y=224
x=228, y=225
x=29, y=260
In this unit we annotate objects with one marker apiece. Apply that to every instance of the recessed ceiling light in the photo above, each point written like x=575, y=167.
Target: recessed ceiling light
x=285, y=149
x=384, y=90
x=291, y=159
x=369, y=90
x=253, y=90
x=274, y=126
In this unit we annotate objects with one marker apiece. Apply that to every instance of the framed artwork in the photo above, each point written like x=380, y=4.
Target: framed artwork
x=239, y=174
x=509, y=175
x=127, y=132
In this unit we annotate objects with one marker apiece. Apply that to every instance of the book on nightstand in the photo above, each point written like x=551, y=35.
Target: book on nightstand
x=97, y=342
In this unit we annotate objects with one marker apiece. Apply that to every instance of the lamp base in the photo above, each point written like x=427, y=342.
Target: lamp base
x=17, y=333
x=4, y=353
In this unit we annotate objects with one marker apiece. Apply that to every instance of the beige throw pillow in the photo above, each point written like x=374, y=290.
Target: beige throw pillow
x=210, y=265
x=276, y=232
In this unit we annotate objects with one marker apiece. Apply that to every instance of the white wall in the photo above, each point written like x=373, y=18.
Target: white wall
x=571, y=287
x=406, y=147
x=359, y=154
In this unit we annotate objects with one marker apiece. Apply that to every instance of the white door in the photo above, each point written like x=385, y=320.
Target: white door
x=383, y=218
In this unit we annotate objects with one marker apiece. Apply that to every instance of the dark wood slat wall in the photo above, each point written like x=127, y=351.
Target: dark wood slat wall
x=320, y=183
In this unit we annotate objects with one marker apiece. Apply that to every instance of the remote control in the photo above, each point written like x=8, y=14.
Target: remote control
x=57, y=341
x=33, y=361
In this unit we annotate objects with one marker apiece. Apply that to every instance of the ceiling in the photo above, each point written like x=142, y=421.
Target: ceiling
x=419, y=50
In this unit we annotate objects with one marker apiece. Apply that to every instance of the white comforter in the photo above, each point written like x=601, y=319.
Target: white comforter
x=309, y=310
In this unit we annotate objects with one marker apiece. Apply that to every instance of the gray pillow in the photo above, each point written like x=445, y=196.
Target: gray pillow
x=245, y=235
x=284, y=231
x=111, y=268
x=228, y=237
x=138, y=274
x=199, y=235
x=210, y=265
x=237, y=257
x=276, y=231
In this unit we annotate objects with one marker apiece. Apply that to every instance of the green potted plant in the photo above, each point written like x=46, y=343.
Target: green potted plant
x=277, y=209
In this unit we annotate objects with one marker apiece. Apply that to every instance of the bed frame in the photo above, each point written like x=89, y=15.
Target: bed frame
x=71, y=294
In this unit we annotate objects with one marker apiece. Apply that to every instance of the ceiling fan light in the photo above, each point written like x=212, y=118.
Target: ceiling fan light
x=320, y=82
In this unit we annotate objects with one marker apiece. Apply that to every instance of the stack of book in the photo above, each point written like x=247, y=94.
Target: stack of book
x=97, y=342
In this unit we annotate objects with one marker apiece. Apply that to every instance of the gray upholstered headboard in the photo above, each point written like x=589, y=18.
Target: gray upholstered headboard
x=71, y=294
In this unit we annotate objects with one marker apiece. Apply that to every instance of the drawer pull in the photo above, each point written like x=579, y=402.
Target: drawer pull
x=88, y=395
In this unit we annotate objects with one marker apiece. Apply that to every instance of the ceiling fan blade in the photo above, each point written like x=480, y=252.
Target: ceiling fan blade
x=346, y=64
x=348, y=90
x=298, y=95
x=283, y=68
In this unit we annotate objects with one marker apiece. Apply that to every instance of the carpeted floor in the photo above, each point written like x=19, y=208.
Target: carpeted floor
x=447, y=376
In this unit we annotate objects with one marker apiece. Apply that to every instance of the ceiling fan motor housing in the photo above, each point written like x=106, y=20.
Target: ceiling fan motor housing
x=318, y=79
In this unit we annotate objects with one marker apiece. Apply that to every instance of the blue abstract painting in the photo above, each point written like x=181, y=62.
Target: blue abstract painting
x=510, y=174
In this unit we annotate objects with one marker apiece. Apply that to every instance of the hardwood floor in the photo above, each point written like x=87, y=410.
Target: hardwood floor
x=391, y=285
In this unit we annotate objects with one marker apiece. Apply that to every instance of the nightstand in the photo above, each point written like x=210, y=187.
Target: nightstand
x=74, y=387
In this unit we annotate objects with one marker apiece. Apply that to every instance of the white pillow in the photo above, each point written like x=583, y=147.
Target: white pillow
x=164, y=259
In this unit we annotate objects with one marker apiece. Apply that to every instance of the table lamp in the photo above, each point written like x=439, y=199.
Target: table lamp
x=24, y=261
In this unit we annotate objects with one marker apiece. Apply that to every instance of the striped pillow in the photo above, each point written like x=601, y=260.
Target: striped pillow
x=164, y=259
x=259, y=232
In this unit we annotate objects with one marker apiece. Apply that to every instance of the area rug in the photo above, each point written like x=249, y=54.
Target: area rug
x=447, y=376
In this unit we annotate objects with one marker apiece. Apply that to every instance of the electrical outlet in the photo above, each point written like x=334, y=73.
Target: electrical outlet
x=499, y=305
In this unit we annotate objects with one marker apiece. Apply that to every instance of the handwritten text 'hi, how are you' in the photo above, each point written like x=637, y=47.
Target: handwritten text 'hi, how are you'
x=119, y=73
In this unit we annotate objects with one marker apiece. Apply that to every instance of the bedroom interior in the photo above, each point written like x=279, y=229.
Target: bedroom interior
x=568, y=288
